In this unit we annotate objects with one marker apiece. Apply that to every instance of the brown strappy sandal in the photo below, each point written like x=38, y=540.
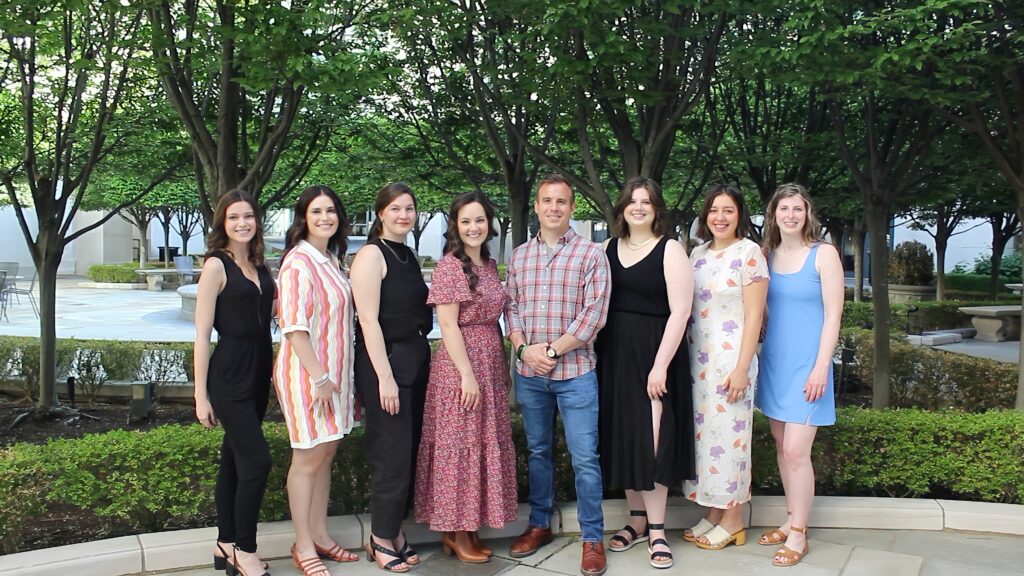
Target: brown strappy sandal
x=775, y=536
x=791, y=557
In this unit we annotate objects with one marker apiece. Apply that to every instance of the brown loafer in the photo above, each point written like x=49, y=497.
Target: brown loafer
x=593, y=563
x=530, y=541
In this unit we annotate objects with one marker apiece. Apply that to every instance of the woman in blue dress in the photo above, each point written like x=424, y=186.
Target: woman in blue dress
x=805, y=306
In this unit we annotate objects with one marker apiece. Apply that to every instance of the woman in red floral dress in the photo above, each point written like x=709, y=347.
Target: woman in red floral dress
x=466, y=472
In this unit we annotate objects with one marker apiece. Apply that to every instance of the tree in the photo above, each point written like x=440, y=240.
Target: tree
x=75, y=69
x=250, y=83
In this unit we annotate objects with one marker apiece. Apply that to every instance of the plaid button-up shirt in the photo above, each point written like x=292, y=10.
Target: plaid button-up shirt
x=559, y=290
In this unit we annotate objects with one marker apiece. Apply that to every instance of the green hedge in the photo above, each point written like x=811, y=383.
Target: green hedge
x=969, y=282
x=93, y=362
x=939, y=315
x=114, y=273
x=934, y=379
x=163, y=479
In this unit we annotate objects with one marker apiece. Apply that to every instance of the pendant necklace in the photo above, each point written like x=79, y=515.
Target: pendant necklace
x=634, y=247
x=385, y=242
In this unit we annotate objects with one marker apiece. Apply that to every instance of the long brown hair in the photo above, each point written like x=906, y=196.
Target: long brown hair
x=661, y=225
x=455, y=244
x=811, y=234
x=217, y=239
x=385, y=196
x=337, y=244
x=742, y=225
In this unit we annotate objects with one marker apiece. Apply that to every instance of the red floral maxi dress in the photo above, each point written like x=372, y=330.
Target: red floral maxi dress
x=466, y=470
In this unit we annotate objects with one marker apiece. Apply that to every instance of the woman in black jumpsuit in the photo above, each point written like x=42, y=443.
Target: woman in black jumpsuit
x=236, y=296
x=392, y=366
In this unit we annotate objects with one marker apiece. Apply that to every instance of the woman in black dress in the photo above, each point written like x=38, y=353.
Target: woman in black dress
x=236, y=296
x=643, y=367
x=392, y=366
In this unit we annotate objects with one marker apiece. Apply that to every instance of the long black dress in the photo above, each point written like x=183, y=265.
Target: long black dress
x=638, y=313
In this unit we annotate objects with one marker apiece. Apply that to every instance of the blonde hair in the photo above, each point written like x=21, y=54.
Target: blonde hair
x=811, y=233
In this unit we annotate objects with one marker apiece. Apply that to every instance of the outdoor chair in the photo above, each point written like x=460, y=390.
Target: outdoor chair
x=13, y=290
x=183, y=264
x=11, y=268
x=3, y=294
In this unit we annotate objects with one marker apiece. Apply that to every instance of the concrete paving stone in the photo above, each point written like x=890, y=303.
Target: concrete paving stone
x=500, y=548
x=939, y=567
x=526, y=571
x=875, y=539
x=178, y=548
x=983, y=516
x=868, y=562
x=823, y=553
x=982, y=550
x=443, y=565
x=110, y=557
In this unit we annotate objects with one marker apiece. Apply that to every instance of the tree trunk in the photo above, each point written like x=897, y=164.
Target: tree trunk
x=858, y=262
x=878, y=228
x=999, y=242
x=143, y=243
x=50, y=252
x=503, y=226
x=166, y=223
x=941, y=241
x=1019, y=405
x=519, y=209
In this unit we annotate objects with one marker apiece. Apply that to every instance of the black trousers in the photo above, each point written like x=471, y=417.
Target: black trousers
x=239, y=401
x=392, y=442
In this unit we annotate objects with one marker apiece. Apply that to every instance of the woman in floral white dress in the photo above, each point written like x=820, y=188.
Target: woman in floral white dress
x=730, y=288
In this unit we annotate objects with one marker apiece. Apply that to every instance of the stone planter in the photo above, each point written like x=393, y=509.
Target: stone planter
x=901, y=294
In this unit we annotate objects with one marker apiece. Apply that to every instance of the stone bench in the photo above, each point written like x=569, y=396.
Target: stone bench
x=188, y=302
x=155, y=276
x=995, y=323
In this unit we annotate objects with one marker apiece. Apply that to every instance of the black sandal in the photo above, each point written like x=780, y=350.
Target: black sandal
x=371, y=556
x=659, y=554
x=408, y=552
x=624, y=543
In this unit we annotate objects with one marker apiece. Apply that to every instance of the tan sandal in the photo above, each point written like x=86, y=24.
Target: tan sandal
x=336, y=553
x=702, y=528
x=791, y=557
x=719, y=538
x=773, y=537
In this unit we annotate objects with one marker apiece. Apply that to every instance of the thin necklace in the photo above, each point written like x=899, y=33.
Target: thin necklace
x=385, y=242
x=634, y=247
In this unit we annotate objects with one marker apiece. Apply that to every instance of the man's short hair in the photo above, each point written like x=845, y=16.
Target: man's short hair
x=556, y=178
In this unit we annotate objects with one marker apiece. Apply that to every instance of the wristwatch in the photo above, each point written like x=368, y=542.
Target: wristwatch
x=551, y=353
x=520, y=350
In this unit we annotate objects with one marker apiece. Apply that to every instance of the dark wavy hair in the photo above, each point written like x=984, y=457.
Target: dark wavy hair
x=455, y=245
x=716, y=190
x=811, y=234
x=217, y=239
x=385, y=196
x=337, y=244
x=662, y=224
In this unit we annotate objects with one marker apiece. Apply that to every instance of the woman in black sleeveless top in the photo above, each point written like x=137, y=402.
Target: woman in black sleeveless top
x=646, y=422
x=236, y=296
x=392, y=366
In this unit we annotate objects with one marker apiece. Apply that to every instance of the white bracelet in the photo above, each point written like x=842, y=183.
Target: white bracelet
x=321, y=381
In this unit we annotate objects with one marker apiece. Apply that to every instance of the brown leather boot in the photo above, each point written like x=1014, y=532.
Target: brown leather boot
x=459, y=544
x=474, y=537
x=593, y=563
x=529, y=542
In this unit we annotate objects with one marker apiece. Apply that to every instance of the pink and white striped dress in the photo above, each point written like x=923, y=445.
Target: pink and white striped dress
x=315, y=297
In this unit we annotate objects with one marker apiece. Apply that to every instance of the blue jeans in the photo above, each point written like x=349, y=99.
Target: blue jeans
x=576, y=400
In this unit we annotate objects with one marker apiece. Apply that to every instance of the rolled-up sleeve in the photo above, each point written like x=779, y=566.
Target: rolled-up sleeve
x=296, y=302
x=515, y=323
x=596, y=290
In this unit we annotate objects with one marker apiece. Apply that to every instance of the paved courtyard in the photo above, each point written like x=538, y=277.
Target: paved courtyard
x=834, y=552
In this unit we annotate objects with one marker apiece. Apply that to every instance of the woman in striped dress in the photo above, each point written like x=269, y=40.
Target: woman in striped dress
x=313, y=373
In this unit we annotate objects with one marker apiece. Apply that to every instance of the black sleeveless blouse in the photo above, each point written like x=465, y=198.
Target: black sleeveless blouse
x=639, y=289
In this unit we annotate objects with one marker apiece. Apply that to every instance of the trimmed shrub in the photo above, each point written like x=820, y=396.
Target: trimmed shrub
x=163, y=478
x=911, y=264
x=114, y=273
x=933, y=379
x=941, y=315
x=968, y=283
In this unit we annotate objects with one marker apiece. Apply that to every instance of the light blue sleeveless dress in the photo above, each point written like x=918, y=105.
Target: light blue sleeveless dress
x=796, y=315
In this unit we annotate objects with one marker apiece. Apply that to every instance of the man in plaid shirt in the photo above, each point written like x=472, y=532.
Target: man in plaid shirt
x=558, y=285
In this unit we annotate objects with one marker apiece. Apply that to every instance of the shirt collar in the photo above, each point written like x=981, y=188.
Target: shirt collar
x=566, y=238
x=308, y=248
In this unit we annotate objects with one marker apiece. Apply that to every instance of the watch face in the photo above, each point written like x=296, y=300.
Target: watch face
x=551, y=352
